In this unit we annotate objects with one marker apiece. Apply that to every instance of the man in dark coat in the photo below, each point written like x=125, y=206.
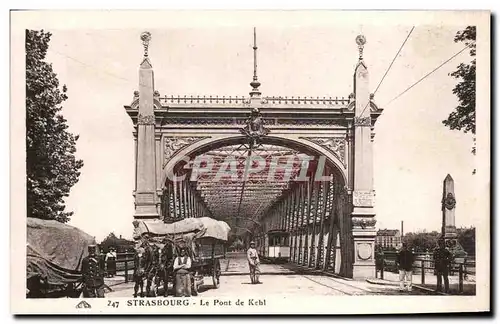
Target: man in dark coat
x=442, y=260
x=93, y=275
x=139, y=271
x=404, y=261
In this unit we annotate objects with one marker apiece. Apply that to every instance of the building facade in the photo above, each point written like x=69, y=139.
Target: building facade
x=388, y=238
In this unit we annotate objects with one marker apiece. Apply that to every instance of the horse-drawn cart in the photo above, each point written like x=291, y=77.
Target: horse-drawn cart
x=206, y=262
x=204, y=239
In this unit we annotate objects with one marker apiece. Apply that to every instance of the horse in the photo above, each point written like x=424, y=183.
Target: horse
x=153, y=265
x=162, y=266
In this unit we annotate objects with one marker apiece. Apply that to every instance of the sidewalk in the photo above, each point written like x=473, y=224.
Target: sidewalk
x=430, y=279
x=392, y=279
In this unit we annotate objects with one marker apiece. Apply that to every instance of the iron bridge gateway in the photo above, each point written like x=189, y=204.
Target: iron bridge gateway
x=303, y=166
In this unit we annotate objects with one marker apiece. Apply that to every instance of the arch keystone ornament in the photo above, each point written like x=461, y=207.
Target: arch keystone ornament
x=254, y=129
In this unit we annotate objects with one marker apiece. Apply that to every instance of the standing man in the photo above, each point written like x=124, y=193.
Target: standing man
x=139, y=270
x=102, y=261
x=253, y=263
x=93, y=276
x=442, y=260
x=404, y=261
x=182, y=266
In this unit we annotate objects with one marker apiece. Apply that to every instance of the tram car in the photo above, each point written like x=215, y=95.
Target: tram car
x=276, y=247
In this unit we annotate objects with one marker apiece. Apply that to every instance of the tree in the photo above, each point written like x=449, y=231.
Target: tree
x=467, y=239
x=119, y=243
x=51, y=166
x=464, y=116
x=423, y=241
x=236, y=244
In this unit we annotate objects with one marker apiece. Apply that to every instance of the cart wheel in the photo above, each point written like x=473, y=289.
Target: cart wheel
x=216, y=274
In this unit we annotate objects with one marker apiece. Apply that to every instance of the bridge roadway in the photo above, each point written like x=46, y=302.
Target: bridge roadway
x=277, y=280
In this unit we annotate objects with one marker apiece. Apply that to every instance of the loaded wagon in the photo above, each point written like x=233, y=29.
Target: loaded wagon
x=54, y=255
x=205, y=239
x=208, y=253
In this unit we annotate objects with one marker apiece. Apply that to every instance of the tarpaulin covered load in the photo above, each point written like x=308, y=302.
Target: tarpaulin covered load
x=55, y=251
x=201, y=227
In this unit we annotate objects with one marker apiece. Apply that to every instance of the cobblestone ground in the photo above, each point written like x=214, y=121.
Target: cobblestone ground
x=277, y=280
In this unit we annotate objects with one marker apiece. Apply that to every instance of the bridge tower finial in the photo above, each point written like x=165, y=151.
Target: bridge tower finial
x=145, y=37
x=255, y=82
x=361, y=41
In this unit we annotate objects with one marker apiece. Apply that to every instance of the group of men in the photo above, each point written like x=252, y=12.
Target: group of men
x=442, y=259
x=93, y=271
x=153, y=266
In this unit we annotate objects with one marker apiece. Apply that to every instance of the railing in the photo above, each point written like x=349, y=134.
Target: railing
x=424, y=263
x=201, y=100
x=124, y=265
x=236, y=100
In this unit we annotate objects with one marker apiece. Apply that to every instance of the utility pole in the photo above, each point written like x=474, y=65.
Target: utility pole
x=402, y=228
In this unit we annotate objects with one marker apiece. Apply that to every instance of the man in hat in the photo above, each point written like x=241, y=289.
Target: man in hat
x=139, y=272
x=93, y=276
x=253, y=263
x=182, y=265
x=404, y=261
x=442, y=260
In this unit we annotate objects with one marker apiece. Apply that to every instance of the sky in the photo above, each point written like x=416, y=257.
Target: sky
x=413, y=150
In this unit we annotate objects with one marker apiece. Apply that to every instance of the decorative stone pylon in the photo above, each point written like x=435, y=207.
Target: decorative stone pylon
x=363, y=213
x=145, y=192
x=448, y=228
x=448, y=203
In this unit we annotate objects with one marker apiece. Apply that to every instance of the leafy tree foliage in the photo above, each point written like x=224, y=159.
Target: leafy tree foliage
x=467, y=239
x=52, y=168
x=427, y=241
x=464, y=115
x=423, y=241
x=237, y=244
x=119, y=243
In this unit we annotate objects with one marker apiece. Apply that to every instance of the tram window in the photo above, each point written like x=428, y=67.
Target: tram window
x=273, y=240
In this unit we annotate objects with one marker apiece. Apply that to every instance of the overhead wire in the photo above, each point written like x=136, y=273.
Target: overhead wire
x=390, y=66
x=428, y=74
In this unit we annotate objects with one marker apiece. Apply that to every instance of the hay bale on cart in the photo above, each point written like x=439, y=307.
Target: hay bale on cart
x=205, y=239
x=54, y=255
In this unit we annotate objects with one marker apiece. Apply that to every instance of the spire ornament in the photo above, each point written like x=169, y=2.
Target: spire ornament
x=146, y=38
x=361, y=41
x=255, y=84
